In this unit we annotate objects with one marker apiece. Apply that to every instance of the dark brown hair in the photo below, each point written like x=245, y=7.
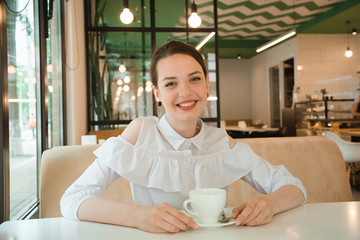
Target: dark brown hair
x=171, y=48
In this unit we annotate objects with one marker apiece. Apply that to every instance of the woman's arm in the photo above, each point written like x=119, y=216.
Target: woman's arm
x=260, y=210
x=156, y=218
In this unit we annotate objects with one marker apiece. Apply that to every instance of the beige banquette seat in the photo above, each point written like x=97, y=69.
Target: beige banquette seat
x=316, y=161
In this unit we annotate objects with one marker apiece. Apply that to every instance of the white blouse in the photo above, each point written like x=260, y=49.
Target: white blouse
x=163, y=166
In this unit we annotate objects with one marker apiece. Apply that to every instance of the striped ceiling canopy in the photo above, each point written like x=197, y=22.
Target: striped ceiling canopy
x=244, y=25
x=261, y=19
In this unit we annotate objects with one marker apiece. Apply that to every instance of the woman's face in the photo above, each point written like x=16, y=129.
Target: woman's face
x=182, y=87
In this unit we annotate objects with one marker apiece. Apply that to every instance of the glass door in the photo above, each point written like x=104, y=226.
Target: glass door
x=23, y=80
x=281, y=82
x=55, y=84
x=274, y=75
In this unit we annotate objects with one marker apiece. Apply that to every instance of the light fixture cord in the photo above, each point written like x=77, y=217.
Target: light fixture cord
x=347, y=33
x=13, y=11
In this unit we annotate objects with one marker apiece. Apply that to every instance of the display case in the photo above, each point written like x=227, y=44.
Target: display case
x=325, y=111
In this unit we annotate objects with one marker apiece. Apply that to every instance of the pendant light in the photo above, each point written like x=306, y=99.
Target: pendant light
x=194, y=19
x=348, y=52
x=122, y=68
x=126, y=15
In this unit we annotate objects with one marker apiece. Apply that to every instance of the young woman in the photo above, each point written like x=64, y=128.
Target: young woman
x=166, y=158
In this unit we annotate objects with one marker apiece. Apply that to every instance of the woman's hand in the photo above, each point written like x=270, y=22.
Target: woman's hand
x=256, y=211
x=163, y=218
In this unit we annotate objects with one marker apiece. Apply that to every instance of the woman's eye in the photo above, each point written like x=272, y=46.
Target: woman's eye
x=170, y=84
x=196, y=79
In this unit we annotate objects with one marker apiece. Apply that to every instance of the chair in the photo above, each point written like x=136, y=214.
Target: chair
x=107, y=133
x=351, y=154
x=349, y=150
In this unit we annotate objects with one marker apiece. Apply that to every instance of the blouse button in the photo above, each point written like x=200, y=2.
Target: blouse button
x=187, y=144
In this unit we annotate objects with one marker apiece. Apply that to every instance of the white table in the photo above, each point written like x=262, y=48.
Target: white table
x=316, y=221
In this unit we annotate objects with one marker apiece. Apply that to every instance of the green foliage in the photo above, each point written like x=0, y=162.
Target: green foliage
x=101, y=99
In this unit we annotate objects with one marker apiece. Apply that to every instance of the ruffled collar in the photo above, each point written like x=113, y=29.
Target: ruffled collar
x=175, y=139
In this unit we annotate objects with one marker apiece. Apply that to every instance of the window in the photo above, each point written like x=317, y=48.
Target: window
x=25, y=104
x=119, y=56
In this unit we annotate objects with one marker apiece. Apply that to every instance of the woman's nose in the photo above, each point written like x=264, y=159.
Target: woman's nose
x=185, y=89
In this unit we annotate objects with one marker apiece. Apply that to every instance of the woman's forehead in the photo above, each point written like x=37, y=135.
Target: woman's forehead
x=178, y=62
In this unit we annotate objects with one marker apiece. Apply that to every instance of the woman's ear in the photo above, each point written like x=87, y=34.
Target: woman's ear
x=156, y=93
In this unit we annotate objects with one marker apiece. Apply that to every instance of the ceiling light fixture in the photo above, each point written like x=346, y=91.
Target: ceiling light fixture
x=276, y=41
x=126, y=15
x=122, y=68
x=239, y=56
x=354, y=32
x=348, y=52
x=202, y=43
x=194, y=19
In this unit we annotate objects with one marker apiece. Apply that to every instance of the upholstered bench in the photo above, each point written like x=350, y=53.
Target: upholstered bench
x=316, y=161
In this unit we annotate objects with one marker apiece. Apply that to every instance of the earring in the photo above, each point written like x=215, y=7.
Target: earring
x=159, y=103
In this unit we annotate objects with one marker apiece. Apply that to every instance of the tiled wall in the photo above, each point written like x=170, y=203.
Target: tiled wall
x=235, y=89
x=323, y=65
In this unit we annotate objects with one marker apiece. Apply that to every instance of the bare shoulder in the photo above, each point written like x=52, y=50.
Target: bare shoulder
x=131, y=132
x=232, y=142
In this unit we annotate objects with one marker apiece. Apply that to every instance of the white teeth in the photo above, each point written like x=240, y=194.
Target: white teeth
x=186, y=104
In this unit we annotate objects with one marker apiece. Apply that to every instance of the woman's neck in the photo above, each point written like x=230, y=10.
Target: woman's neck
x=186, y=128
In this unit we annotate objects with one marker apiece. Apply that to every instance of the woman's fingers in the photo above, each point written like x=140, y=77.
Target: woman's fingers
x=164, y=218
x=245, y=213
x=256, y=211
x=179, y=219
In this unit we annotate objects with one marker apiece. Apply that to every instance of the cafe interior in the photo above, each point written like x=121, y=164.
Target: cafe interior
x=284, y=77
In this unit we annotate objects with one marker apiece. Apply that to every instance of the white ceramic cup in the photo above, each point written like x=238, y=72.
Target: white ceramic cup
x=241, y=124
x=206, y=204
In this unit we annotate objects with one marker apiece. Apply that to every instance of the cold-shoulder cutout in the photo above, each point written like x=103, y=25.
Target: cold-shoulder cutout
x=232, y=142
x=131, y=132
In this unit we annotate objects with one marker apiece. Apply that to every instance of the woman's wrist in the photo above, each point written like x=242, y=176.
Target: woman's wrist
x=134, y=215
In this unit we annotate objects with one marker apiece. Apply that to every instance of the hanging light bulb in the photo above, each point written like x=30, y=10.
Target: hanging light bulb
x=122, y=68
x=194, y=19
x=126, y=79
x=126, y=88
x=354, y=32
x=11, y=69
x=348, y=52
x=126, y=15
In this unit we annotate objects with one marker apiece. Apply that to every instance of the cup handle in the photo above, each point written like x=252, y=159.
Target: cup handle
x=185, y=205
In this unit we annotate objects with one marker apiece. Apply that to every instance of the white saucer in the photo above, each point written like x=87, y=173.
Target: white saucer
x=227, y=211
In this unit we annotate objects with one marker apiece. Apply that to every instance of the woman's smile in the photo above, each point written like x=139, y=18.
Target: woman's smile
x=187, y=105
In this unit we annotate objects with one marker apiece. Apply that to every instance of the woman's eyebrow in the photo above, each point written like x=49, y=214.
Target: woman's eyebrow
x=172, y=78
x=193, y=73
x=168, y=78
